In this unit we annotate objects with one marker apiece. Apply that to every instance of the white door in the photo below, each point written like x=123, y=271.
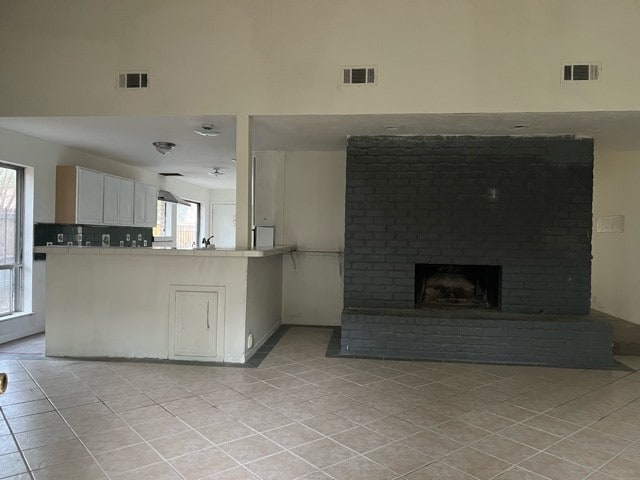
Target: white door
x=223, y=225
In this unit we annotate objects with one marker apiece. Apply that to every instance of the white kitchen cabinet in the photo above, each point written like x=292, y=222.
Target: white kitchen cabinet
x=125, y=201
x=110, y=212
x=145, y=200
x=151, y=201
x=95, y=198
x=197, y=322
x=139, y=204
x=118, y=201
x=79, y=195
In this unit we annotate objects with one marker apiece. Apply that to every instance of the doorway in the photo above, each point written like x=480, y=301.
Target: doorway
x=223, y=225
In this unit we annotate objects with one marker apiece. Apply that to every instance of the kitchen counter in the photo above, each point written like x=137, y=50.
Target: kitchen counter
x=192, y=252
x=199, y=304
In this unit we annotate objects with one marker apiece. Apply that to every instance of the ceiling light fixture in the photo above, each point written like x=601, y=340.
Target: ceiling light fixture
x=164, y=147
x=207, y=130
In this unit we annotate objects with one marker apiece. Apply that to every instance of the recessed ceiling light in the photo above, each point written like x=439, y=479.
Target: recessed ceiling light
x=164, y=147
x=207, y=130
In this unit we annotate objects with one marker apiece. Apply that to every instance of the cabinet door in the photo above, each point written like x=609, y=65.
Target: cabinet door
x=196, y=324
x=110, y=215
x=139, y=204
x=125, y=201
x=90, y=199
x=151, y=206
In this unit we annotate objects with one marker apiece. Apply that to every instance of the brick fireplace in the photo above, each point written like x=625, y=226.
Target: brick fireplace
x=503, y=221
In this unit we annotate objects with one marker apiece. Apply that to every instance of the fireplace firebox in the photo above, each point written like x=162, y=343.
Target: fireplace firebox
x=444, y=285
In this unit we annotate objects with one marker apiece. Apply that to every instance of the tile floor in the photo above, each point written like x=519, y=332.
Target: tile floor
x=303, y=415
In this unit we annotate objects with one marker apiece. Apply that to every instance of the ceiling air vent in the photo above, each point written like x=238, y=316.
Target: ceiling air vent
x=360, y=75
x=133, y=80
x=171, y=174
x=581, y=71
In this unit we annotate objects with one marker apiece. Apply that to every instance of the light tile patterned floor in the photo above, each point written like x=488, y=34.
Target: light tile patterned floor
x=302, y=415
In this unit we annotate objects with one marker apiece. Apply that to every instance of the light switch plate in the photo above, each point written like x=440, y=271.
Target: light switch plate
x=610, y=224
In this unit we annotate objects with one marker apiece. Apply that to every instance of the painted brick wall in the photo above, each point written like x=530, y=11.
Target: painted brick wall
x=523, y=203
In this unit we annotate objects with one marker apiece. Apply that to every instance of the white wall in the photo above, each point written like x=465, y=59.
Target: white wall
x=304, y=193
x=42, y=158
x=616, y=256
x=284, y=56
x=264, y=299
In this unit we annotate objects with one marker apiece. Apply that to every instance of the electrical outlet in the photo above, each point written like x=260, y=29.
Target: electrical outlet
x=79, y=238
x=122, y=243
x=128, y=237
x=145, y=243
x=133, y=243
x=49, y=244
x=60, y=237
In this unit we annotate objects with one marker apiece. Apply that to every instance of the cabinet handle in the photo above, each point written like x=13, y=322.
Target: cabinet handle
x=208, y=316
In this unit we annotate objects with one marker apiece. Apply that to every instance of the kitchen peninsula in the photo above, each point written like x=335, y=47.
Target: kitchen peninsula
x=198, y=304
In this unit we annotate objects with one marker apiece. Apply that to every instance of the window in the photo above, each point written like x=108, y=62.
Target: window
x=188, y=225
x=162, y=230
x=11, y=188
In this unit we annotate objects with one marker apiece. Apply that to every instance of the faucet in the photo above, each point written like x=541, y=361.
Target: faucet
x=206, y=242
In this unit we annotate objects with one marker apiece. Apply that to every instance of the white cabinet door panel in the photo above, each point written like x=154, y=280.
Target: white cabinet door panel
x=139, y=204
x=196, y=322
x=151, y=199
x=111, y=216
x=125, y=201
x=90, y=198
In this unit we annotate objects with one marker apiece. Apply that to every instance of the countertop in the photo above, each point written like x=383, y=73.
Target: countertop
x=193, y=252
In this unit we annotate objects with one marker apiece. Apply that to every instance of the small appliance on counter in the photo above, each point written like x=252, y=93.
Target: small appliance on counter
x=265, y=236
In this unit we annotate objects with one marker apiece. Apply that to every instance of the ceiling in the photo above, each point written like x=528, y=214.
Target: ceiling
x=129, y=139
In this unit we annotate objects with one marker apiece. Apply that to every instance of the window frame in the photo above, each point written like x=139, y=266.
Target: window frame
x=169, y=215
x=17, y=267
x=198, y=220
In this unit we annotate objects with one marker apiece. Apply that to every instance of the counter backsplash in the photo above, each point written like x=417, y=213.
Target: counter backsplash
x=57, y=234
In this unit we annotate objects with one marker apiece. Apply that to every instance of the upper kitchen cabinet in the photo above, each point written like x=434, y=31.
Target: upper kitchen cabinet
x=118, y=201
x=145, y=205
x=79, y=195
x=96, y=198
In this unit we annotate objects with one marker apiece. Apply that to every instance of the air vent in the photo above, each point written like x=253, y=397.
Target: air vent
x=133, y=80
x=171, y=174
x=581, y=72
x=360, y=75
